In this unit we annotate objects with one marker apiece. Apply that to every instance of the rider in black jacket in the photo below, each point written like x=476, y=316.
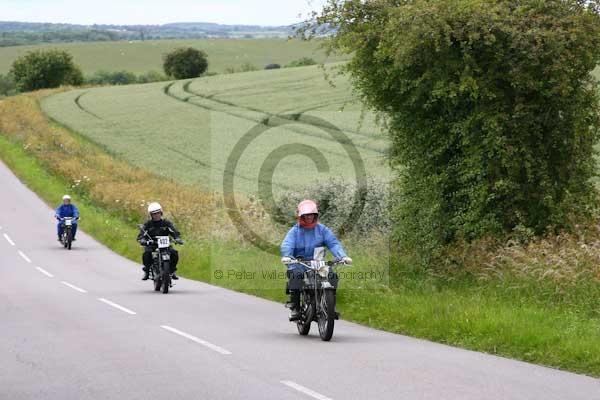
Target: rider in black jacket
x=157, y=226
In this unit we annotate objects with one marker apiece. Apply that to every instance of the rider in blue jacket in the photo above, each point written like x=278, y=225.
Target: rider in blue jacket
x=300, y=242
x=66, y=209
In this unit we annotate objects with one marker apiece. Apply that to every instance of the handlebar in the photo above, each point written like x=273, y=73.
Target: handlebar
x=150, y=241
x=308, y=264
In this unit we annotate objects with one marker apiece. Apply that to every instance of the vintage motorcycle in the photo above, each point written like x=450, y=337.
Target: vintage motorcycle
x=318, y=297
x=67, y=237
x=160, y=272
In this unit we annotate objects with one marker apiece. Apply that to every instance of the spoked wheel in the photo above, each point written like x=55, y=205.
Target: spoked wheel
x=326, y=319
x=166, y=283
x=166, y=277
x=64, y=240
x=306, y=314
x=69, y=239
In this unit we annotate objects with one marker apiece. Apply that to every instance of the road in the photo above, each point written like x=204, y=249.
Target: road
x=81, y=325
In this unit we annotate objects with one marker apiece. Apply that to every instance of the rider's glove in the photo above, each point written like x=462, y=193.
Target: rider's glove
x=147, y=242
x=286, y=260
x=347, y=260
x=178, y=241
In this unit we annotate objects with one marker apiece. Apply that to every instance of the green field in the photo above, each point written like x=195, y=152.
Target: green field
x=187, y=130
x=139, y=57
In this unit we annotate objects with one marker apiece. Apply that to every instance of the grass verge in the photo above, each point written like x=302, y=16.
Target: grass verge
x=524, y=319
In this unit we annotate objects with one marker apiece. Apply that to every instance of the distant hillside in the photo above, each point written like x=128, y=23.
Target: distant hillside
x=27, y=33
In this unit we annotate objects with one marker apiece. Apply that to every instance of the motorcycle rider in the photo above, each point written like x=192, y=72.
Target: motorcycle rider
x=66, y=210
x=157, y=226
x=300, y=242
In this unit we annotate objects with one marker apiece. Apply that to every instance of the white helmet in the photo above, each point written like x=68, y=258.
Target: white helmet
x=153, y=208
x=66, y=197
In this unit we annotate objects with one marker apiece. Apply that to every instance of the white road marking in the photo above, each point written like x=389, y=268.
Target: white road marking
x=197, y=340
x=43, y=271
x=8, y=239
x=24, y=257
x=118, y=307
x=74, y=287
x=304, y=390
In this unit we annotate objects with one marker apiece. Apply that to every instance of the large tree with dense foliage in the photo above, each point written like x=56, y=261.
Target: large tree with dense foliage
x=185, y=63
x=491, y=107
x=41, y=69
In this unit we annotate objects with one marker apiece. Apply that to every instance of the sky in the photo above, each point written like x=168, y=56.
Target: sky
x=133, y=12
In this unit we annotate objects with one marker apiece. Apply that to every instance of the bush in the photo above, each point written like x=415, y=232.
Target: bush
x=185, y=63
x=491, y=107
x=248, y=67
x=112, y=78
x=152, y=76
x=272, y=66
x=42, y=69
x=335, y=199
x=301, y=62
x=8, y=87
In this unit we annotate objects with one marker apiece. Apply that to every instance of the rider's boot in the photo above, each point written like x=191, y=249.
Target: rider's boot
x=174, y=277
x=295, y=302
x=146, y=274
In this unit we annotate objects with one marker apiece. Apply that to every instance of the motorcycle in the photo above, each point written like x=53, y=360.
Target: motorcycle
x=160, y=272
x=318, y=297
x=67, y=237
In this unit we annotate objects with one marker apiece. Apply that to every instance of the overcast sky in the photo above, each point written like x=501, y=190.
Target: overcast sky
x=130, y=12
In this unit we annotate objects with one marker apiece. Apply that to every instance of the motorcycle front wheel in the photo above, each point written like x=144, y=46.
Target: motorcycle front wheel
x=326, y=319
x=166, y=277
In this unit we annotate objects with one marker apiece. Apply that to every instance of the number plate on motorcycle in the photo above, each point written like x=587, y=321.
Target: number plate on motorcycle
x=163, y=242
x=68, y=222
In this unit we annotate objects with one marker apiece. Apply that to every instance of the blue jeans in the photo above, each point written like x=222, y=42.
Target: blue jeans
x=61, y=228
x=295, y=274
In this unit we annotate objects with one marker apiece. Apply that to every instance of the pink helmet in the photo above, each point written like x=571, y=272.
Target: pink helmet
x=307, y=207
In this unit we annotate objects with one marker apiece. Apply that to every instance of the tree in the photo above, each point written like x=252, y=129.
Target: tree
x=491, y=108
x=42, y=69
x=185, y=63
x=8, y=86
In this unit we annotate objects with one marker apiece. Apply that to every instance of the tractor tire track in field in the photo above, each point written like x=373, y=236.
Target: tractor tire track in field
x=221, y=171
x=186, y=89
x=82, y=108
x=265, y=121
x=204, y=164
x=239, y=89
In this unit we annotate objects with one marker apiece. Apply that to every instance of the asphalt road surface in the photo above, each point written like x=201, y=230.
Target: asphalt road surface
x=81, y=325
